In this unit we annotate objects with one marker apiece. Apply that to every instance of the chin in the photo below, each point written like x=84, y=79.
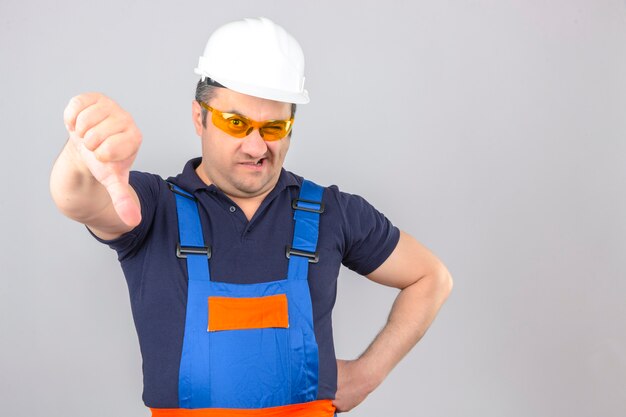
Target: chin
x=250, y=187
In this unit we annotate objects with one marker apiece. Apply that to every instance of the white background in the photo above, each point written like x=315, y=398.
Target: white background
x=492, y=131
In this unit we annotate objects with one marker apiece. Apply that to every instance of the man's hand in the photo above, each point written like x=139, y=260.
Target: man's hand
x=354, y=384
x=107, y=140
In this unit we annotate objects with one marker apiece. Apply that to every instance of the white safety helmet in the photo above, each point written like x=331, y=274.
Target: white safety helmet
x=258, y=58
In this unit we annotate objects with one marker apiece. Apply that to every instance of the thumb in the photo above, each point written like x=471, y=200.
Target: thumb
x=123, y=201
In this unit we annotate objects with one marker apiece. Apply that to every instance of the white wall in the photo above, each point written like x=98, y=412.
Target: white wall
x=492, y=131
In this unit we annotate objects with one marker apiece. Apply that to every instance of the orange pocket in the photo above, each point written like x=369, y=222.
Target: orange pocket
x=228, y=313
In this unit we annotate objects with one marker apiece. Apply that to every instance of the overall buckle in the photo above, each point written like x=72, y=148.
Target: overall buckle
x=183, y=251
x=313, y=257
x=295, y=206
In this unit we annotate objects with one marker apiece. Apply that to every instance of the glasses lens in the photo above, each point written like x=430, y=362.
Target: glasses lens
x=275, y=130
x=240, y=126
x=233, y=124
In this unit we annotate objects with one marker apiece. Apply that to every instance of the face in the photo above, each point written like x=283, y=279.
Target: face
x=242, y=168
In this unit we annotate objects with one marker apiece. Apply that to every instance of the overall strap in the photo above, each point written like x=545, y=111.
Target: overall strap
x=191, y=241
x=308, y=207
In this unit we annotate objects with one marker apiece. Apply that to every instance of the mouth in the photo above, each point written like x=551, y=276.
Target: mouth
x=259, y=163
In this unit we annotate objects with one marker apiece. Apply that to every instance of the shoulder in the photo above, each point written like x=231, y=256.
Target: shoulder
x=337, y=200
x=146, y=181
x=150, y=188
x=367, y=236
x=331, y=192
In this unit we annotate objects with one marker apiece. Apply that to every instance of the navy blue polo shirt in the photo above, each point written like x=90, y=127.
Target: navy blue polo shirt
x=352, y=233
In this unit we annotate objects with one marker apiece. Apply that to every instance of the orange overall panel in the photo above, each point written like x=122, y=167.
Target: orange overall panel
x=319, y=408
x=229, y=313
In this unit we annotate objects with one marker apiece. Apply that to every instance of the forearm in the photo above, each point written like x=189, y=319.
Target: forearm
x=412, y=313
x=75, y=191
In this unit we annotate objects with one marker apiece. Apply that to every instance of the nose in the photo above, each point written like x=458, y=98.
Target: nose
x=254, y=145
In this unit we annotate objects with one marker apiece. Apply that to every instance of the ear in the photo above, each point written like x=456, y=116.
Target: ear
x=196, y=117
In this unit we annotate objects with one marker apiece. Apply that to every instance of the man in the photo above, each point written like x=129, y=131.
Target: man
x=231, y=297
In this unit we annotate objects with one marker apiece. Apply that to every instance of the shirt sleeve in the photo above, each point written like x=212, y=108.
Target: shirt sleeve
x=147, y=188
x=370, y=236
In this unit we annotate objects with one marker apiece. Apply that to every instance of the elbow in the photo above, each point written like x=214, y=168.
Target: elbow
x=449, y=283
x=445, y=282
x=62, y=200
x=59, y=200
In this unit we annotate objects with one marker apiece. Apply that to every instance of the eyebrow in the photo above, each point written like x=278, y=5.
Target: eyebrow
x=238, y=113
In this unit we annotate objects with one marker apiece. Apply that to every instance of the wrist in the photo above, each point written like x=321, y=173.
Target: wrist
x=372, y=374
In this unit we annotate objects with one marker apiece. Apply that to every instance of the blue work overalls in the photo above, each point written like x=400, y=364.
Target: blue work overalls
x=250, y=346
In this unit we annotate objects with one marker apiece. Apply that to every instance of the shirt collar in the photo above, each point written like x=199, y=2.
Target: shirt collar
x=189, y=180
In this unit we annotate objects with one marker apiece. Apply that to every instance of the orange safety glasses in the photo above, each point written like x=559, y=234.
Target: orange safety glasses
x=240, y=126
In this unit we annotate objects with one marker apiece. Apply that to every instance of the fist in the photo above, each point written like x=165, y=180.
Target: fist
x=107, y=141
